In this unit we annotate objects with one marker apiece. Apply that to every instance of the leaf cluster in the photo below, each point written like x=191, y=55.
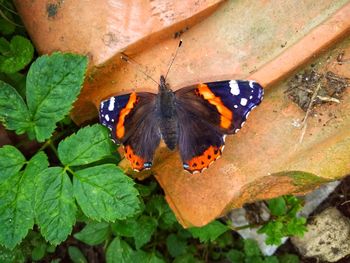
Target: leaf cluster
x=284, y=221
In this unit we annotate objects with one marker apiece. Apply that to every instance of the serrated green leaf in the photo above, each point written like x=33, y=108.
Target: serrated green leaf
x=296, y=227
x=273, y=231
x=53, y=84
x=20, y=54
x=119, y=252
x=251, y=248
x=10, y=256
x=277, y=206
x=104, y=193
x=93, y=233
x=16, y=202
x=176, y=246
x=88, y=145
x=147, y=226
x=125, y=228
x=157, y=206
x=14, y=113
x=210, y=232
x=167, y=219
x=17, y=81
x=235, y=256
x=11, y=161
x=55, y=207
x=76, y=255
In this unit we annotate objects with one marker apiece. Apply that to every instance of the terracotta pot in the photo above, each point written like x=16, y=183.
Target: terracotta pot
x=265, y=41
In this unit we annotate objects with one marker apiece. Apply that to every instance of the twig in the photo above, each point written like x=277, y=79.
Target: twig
x=304, y=124
x=322, y=98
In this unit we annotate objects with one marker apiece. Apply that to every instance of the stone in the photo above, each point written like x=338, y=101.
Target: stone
x=328, y=237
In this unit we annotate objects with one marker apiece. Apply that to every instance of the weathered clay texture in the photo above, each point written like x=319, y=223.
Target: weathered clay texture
x=264, y=41
x=101, y=29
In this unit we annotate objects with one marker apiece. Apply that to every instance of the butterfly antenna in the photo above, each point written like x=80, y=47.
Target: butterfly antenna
x=173, y=59
x=137, y=66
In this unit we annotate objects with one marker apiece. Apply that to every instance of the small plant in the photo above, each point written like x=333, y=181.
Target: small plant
x=284, y=221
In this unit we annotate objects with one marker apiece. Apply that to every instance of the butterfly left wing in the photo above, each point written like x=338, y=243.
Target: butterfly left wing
x=207, y=112
x=132, y=120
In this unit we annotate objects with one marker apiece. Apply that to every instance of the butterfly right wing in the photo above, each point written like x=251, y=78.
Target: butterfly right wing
x=132, y=120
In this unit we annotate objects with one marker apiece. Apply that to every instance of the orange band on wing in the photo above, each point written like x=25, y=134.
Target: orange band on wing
x=120, y=130
x=226, y=114
x=198, y=163
x=137, y=163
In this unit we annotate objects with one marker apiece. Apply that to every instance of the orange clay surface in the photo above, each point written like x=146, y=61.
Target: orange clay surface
x=265, y=41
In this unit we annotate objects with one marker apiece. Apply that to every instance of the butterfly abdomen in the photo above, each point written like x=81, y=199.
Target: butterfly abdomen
x=168, y=120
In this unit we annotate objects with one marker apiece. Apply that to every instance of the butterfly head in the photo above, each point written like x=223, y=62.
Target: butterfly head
x=163, y=86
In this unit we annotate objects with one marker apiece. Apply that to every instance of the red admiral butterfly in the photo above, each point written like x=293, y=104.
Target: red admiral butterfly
x=195, y=119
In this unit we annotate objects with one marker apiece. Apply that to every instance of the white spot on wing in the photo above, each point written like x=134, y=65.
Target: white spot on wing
x=251, y=84
x=111, y=104
x=107, y=117
x=244, y=101
x=235, y=106
x=234, y=88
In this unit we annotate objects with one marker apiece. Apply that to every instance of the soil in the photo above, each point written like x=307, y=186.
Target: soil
x=329, y=86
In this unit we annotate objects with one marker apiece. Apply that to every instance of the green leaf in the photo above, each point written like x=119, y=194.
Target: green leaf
x=53, y=84
x=119, y=252
x=271, y=259
x=16, y=202
x=39, y=251
x=125, y=228
x=55, y=207
x=93, y=233
x=20, y=54
x=104, y=193
x=273, y=231
x=254, y=259
x=147, y=226
x=14, y=113
x=144, y=257
x=10, y=256
x=17, y=81
x=277, y=206
x=76, y=255
x=296, y=227
x=235, y=256
x=210, y=232
x=176, y=245
x=251, y=248
x=6, y=28
x=11, y=161
x=288, y=258
x=90, y=144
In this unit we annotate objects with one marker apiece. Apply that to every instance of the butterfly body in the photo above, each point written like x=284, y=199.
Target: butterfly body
x=194, y=120
x=167, y=115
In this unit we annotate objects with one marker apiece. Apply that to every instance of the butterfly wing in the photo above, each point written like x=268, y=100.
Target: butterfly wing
x=132, y=120
x=207, y=112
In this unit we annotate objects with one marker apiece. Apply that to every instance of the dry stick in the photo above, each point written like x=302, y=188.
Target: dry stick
x=304, y=124
x=321, y=98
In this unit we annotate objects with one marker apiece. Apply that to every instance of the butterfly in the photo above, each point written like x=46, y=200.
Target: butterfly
x=194, y=119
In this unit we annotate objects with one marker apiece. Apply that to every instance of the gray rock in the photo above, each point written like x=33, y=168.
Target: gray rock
x=328, y=237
